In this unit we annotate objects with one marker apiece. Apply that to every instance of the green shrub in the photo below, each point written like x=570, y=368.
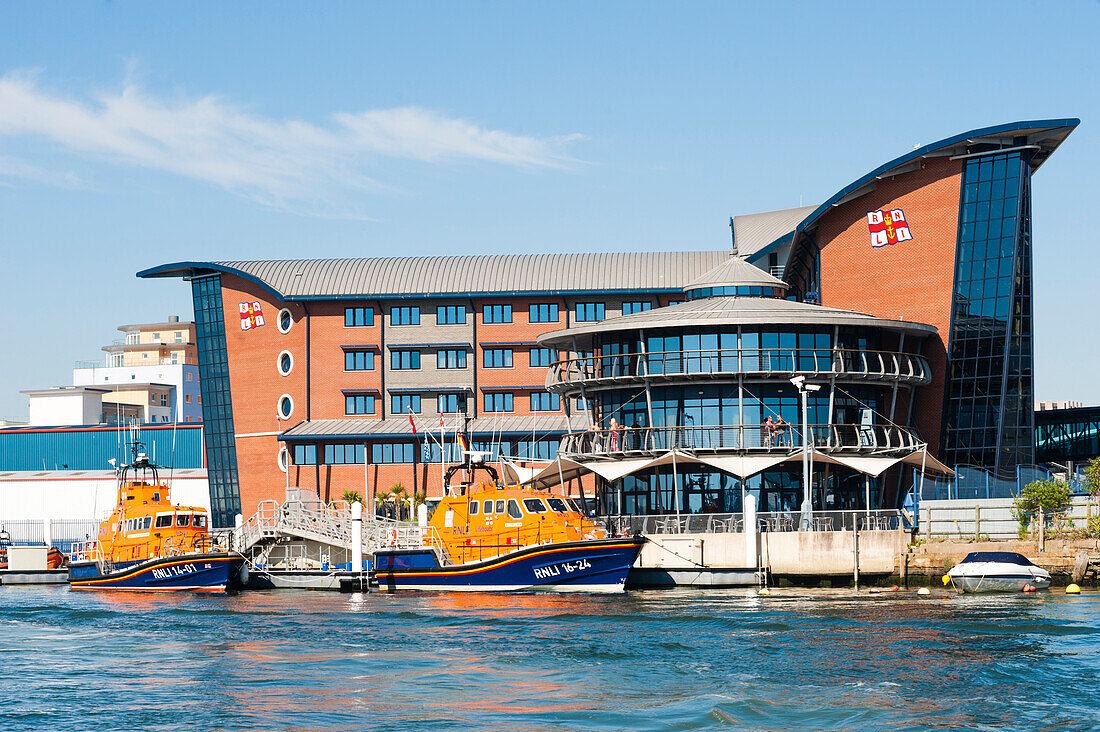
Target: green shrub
x=1050, y=495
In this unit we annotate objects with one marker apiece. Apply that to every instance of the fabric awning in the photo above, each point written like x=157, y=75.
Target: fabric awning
x=873, y=466
x=745, y=466
x=930, y=463
x=615, y=469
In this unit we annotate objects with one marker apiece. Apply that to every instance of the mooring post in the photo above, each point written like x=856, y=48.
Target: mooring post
x=977, y=523
x=752, y=552
x=855, y=550
x=356, y=537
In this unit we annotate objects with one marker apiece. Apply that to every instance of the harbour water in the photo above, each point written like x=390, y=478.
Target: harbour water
x=661, y=660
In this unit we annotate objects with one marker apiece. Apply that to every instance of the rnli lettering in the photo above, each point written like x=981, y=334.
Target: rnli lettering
x=556, y=570
x=176, y=570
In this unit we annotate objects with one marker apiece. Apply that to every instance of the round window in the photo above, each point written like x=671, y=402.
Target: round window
x=284, y=459
x=285, y=363
x=286, y=406
x=286, y=320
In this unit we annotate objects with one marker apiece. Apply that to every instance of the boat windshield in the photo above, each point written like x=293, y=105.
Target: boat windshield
x=200, y=521
x=557, y=504
x=534, y=505
x=1006, y=557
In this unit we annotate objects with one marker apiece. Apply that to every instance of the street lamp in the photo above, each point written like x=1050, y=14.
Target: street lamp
x=804, y=390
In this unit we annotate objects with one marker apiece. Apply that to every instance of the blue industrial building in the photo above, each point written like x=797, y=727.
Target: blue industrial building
x=90, y=447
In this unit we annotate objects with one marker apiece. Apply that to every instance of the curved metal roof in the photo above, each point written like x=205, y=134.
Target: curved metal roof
x=736, y=272
x=1046, y=134
x=755, y=232
x=396, y=277
x=730, y=311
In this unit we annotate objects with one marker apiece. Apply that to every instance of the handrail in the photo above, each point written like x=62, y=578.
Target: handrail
x=625, y=441
x=844, y=362
x=723, y=523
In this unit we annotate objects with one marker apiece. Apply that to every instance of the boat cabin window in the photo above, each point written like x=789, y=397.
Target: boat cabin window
x=488, y=508
x=473, y=508
x=183, y=519
x=513, y=509
x=200, y=521
x=557, y=504
x=164, y=521
x=573, y=505
x=156, y=496
x=147, y=522
x=500, y=505
x=534, y=505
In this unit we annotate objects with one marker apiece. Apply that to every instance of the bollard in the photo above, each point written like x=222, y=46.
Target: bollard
x=752, y=551
x=357, y=536
x=47, y=539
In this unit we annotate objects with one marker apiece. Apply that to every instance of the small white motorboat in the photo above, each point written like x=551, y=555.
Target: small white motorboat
x=998, y=572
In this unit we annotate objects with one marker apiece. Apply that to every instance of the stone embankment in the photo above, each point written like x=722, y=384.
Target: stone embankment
x=1067, y=560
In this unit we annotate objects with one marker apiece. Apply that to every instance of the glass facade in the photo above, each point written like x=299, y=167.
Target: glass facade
x=989, y=418
x=217, y=405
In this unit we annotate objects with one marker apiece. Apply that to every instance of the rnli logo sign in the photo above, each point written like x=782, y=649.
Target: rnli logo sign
x=888, y=227
x=251, y=315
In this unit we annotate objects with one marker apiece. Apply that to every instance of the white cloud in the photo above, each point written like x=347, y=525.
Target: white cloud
x=288, y=164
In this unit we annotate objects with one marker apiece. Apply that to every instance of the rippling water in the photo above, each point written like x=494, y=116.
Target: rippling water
x=655, y=660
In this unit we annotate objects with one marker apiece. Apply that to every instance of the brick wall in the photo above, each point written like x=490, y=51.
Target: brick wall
x=912, y=280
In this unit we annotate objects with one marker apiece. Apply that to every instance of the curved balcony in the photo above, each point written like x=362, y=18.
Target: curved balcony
x=849, y=364
x=733, y=439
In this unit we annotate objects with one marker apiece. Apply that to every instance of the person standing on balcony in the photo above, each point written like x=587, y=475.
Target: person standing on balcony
x=769, y=431
x=782, y=429
x=613, y=435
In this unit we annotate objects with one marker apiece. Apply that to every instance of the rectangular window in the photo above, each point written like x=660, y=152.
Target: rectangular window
x=641, y=306
x=391, y=452
x=451, y=358
x=358, y=317
x=358, y=360
x=305, y=454
x=344, y=454
x=544, y=313
x=496, y=313
x=498, y=358
x=404, y=360
x=544, y=401
x=405, y=403
x=450, y=315
x=542, y=357
x=358, y=404
x=450, y=403
x=187, y=398
x=405, y=315
x=498, y=402
x=179, y=337
x=589, y=312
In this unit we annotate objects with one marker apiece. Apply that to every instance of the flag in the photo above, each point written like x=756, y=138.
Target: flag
x=413, y=424
x=888, y=227
x=462, y=442
x=251, y=315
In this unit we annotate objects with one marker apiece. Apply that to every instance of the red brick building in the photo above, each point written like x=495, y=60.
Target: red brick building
x=311, y=369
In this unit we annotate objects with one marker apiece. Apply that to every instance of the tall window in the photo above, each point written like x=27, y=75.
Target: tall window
x=544, y=401
x=542, y=357
x=404, y=360
x=405, y=403
x=391, y=452
x=358, y=360
x=989, y=418
x=450, y=358
x=450, y=314
x=496, y=313
x=498, y=358
x=217, y=408
x=358, y=404
x=500, y=401
x=589, y=312
x=409, y=315
x=344, y=454
x=449, y=403
x=641, y=306
x=358, y=317
x=546, y=312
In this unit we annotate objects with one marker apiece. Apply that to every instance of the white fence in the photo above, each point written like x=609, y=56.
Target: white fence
x=63, y=532
x=988, y=517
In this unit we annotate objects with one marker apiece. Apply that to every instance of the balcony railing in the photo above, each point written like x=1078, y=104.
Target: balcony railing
x=648, y=441
x=719, y=363
x=726, y=523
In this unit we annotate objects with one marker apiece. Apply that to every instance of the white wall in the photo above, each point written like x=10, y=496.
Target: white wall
x=172, y=374
x=84, y=494
x=65, y=408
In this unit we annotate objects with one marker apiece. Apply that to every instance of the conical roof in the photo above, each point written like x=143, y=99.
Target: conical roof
x=735, y=272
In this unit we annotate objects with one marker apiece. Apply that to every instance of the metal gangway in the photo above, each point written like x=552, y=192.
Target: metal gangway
x=323, y=523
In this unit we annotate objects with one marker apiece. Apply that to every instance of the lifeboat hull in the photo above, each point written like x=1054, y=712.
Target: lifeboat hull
x=213, y=572
x=580, y=566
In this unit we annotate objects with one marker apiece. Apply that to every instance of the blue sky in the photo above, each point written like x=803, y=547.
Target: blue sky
x=133, y=134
